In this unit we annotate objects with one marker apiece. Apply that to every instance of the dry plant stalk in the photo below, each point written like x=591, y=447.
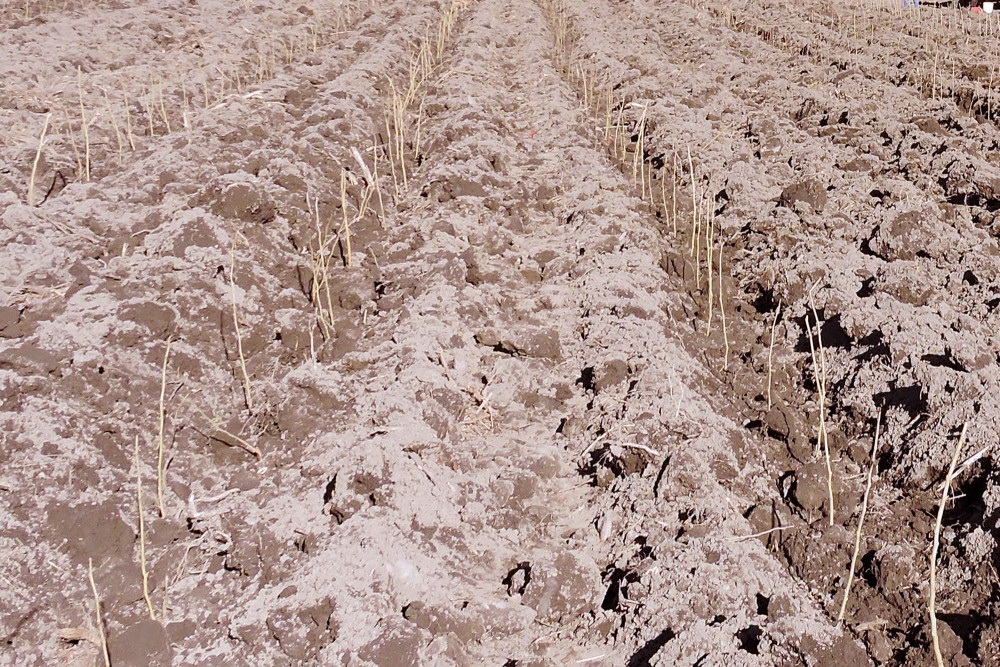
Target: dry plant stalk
x=247, y=396
x=673, y=196
x=422, y=63
x=399, y=125
x=163, y=108
x=84, y=125
x=38, y=158
x=861, y=519
x=68, y=129
x=608, y=107
x=128, y=124
x=319, y=292
x=709, y=247
x=770, y=354
x=114, y=125
x=932, y=598
x=418, y=129
x=638, y=163
x=390, y=154
x=819, y=366
x=663, y=194
x=371, y=180
x=97, y=614
x=617, y=125
x=160, y=471
x=375, y=180
x=695, y=229
x=347, y=223
x=142, y=533
x=149, y=110
x=220, y=434
x=722, y=314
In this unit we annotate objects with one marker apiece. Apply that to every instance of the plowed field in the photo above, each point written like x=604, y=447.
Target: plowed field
x=527, y=332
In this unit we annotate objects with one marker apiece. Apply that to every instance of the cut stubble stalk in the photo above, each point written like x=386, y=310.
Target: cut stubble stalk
x=247, y=394
x=38, y=158
x=873, y=458
x=142, y=533
x=160, y=442
x=819, y=366
x=936, y=546
x=98, y=617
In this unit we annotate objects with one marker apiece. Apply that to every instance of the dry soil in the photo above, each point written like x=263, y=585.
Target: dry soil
x=526, y=332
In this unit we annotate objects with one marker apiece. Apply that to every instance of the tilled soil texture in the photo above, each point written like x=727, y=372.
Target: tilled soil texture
x=531, y=332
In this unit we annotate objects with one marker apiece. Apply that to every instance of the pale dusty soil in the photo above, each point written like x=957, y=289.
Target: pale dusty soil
x=506, y=428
